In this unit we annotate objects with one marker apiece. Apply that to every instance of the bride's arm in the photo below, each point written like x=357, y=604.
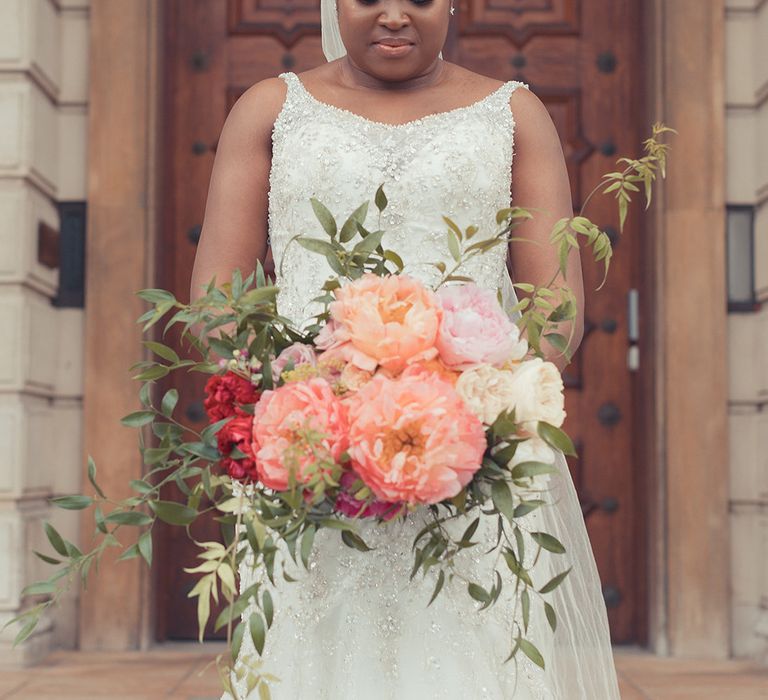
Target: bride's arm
x=234, y=233
x=540, y=182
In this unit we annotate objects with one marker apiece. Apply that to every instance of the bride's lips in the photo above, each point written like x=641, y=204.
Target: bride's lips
x=393, y=47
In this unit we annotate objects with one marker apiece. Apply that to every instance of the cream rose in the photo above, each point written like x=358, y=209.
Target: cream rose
x=534, y=389
x=537, y=394
x=486, y=390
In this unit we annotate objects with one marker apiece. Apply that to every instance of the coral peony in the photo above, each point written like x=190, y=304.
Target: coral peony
x=348, y=505
x=435, y=366
x=278, y=421
x=474, y=329
x=412, y=439
x=388, y=321
x=353, y=378
x=298, y=354
x=236, y=434
x=226, y=393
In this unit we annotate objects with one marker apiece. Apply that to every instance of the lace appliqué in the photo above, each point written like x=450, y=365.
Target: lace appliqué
x=429, y=167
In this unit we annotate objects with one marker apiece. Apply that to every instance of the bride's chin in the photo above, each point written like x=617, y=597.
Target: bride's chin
x=395, y=70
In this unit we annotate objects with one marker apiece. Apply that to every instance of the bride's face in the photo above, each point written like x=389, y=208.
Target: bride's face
x=393, y=39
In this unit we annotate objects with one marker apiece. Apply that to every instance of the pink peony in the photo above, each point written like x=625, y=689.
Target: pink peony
x=279, y=417
x=388, y=321
x=348, y=505
x=474, y=328
x=412, y=439
x=298, y=353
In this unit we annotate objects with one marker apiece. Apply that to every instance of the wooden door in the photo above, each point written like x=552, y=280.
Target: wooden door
x=581, y=57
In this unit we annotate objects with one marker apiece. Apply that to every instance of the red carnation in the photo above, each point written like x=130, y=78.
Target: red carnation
x=237, y=434
x=226, y=393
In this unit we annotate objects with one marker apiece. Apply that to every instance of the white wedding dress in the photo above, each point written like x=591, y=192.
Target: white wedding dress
x=354, y=626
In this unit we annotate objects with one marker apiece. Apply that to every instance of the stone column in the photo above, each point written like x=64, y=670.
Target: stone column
x=43, y=105
x=747, y=185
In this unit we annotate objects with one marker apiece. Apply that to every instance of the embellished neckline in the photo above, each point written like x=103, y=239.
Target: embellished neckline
x=428, y=118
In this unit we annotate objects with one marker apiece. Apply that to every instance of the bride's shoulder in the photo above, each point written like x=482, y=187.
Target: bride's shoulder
x=264, y=98
x=256, y=110
x=532, y=119
x=466, y=82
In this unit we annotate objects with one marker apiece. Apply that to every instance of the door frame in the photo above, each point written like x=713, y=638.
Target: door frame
x=687, y=470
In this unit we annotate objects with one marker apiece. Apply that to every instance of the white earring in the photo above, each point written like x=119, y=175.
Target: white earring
x=453, y=8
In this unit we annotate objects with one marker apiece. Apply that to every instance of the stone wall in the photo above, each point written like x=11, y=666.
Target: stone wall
x=43, y=125
x=747, y=184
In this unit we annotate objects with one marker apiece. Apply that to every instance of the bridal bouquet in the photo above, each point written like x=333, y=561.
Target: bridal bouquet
x=397, y=396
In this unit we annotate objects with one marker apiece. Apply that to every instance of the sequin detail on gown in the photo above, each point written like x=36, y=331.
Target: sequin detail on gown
x=354, y=625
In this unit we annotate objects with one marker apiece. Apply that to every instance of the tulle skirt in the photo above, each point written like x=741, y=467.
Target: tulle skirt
x=354, y=625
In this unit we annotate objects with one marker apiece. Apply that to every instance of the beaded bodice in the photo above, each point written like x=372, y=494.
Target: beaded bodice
x=455, y=163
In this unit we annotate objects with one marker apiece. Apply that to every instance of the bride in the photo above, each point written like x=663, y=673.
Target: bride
x=388, y=109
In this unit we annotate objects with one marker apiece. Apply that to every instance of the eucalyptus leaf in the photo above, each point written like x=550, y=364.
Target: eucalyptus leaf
x=556, y=438
x=531, y=469
x=368, y=244
x=532, y=652
x=47, y=559
x=156, y=372
x=138, y=419
x=92, y=476
x=173, y=513
x=353, y=540
x=548, y=542
x=40, y=588
x=145, y=546
x=549, y=611
x=525, y=601
x=72, y=502
x=131, y=517
x=56, y=540
x=554, y=582
x=324, y=217
x=381, y=199
x=162, y=351
x=438, y=586
x=258, y=631
x=268, y=607
x=349, y=229
x=169, y=402
x=315, y=245
x=478, y=593
x=502, y=499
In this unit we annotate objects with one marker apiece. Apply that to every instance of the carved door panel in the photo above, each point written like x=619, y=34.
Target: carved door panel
x=580, y=58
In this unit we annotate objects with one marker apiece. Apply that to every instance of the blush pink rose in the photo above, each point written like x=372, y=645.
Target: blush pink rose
x=382, y=321
x=279, y=417
x=474, y=328
x=298, y=353
x=412, y=439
